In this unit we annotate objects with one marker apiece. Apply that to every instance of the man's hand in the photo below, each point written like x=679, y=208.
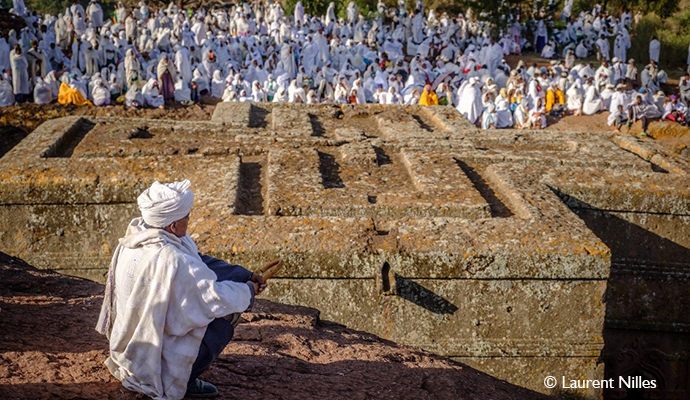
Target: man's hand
x=258, y=282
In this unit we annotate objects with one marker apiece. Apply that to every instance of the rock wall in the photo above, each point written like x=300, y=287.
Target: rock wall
x=406, y=222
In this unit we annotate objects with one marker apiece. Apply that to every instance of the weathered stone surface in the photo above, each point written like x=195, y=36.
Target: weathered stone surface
x=492, y=247
x=49, y=350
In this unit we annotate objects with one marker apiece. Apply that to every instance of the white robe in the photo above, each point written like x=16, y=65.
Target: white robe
x=287, y=59
x=4, y=55
x=134, y=97
x=20, y=73
x=160, y=297
x=593, y=102
x=6, y=95
x=152, y=94
x=183, y=64
x=505, y=117
x=620, y=49
x=654, y=49
x=520, y=116
x=470, y=102
x=43, y=94
x=95, y=13
x=217, y=85
x=183, y=93
x=574, y=97
x=100, y=95
x=611, y=119
x=18, y=7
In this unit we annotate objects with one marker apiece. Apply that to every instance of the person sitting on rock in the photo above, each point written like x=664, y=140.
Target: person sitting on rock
x=617, y=118
x=169, y=311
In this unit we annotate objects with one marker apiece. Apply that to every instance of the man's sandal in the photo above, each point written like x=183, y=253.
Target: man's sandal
x=201, y=390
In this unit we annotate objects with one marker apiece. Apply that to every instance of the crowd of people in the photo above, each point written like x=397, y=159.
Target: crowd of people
x=146, y=57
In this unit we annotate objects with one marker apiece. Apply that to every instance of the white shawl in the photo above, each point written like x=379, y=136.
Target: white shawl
x=159, y=299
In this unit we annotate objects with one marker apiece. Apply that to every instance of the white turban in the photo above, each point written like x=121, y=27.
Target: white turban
x=164, y=203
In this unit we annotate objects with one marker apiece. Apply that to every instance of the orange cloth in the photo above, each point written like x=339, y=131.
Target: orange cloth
x=553, y=97
x=67, y=95
x=429, y=97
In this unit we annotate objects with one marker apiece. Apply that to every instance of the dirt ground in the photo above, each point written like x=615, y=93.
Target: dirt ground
x=50, y=350
x=674, y=137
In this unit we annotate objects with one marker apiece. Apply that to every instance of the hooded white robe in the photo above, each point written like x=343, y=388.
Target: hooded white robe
x=6, y=95
x=217, y=84
x=200, y=80
x=18, y=7
x=287, y=59
x=20, y=73
x=183, y=64
x=505, y=117
x=521, y=116
x=4, y=55
x=574, y=97
x=183, y=93
x=470, y=101
x=152, y=94
x=100, y=94
x=95, y=13
x=593, y=102
x=133, y=97
x=620, y=48
x=43, y=94
x=654, y=49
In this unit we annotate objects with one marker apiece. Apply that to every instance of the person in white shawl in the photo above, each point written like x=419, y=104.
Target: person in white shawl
x=299, y=13
x=287, y=60
x=100, y=94
x=4, y=55
x=258, y=94
x=521, y=116
x=20, y=74
x=280, y=96
x=200, y=80
x=217, y=84
x=489, y=116
x=469, y=100
x=133, y=97
x=654, y=50
x=504, y=116
x=183, y=64
x=132, y=66
x=152, y=94
x=43, y=94
x=18, y=7
x=168, y=311
x=183, y=94
x=593, y=102
x=95, y=13
x=537, y=115
x=6, y=95
x=574, y=97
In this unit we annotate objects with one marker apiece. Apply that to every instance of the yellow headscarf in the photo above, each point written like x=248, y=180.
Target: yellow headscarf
x=429, y=97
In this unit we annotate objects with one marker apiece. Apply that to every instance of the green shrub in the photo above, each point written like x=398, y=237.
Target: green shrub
x=311, y=7
x=672, y=32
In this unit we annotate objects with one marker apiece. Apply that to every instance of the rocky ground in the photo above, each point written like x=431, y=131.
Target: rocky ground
x=50, y=350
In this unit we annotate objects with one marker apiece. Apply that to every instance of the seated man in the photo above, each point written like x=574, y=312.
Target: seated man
x=617, y=118
x=169, y=311
x=639, y=109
